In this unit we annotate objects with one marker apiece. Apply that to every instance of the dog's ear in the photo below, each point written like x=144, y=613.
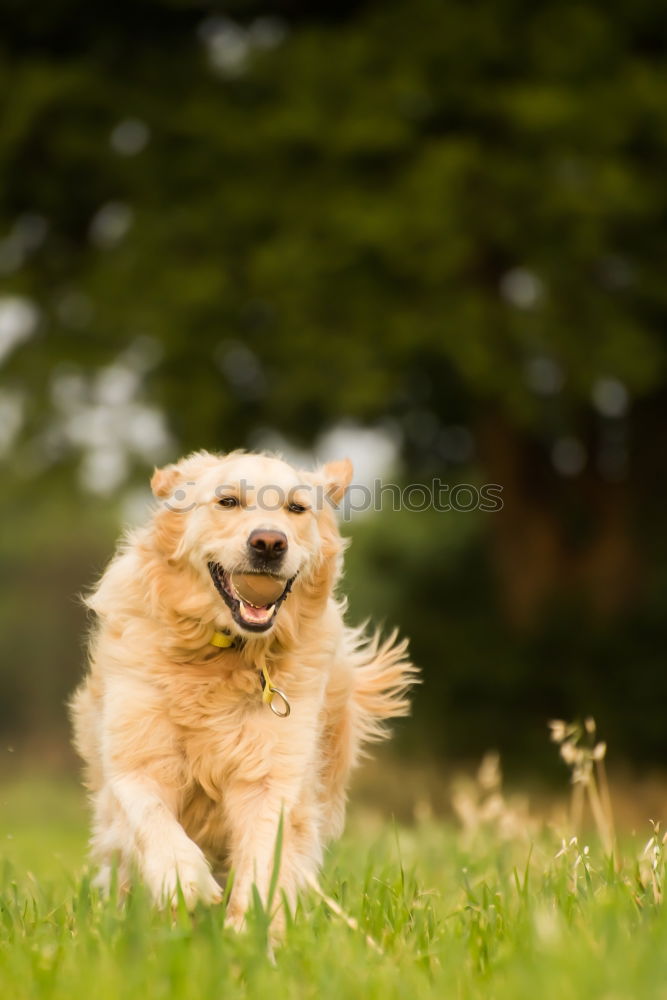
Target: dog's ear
x=337, y=477
x=164, y=480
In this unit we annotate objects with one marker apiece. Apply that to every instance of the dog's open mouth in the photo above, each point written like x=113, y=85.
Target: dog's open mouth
x=251, y=616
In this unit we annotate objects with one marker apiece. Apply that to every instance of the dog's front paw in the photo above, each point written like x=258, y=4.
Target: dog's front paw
x=237, y=910
x=196, y=883
x=188, y=870
x=235, y=919
x=104, y=879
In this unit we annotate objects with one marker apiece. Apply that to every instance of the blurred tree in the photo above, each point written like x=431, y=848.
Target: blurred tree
x=429, y=214
x=447, y=219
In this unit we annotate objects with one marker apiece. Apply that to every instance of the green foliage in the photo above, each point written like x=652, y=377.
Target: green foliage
x=346, y=203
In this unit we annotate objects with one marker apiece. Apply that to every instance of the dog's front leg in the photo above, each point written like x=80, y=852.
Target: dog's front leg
x=254, y=817
x=144, y=773
x=165, y=855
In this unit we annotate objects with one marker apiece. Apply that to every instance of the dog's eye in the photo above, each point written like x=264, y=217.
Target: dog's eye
x=228, y=502
x=297, y=508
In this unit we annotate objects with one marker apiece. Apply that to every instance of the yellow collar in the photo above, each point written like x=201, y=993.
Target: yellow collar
x=222, y=639
x=271, y=695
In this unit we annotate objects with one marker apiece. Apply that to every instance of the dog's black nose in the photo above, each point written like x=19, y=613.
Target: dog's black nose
x=268, y=545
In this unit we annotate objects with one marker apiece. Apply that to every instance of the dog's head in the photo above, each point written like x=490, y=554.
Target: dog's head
x=245, y=530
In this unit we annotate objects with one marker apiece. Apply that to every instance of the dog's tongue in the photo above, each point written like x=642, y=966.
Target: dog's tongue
x=253, y=615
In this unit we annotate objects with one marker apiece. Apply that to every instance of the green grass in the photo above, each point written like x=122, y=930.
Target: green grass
x=455, y=917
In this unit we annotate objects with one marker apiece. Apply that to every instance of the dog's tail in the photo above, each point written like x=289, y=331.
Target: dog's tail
x=383, y=676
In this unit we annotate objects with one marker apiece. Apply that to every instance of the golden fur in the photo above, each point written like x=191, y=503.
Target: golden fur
x=188, y=771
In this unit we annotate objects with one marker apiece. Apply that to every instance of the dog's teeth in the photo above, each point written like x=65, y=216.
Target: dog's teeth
x=255, y=615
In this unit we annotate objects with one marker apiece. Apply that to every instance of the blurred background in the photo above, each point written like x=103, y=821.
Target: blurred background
x=431, y=236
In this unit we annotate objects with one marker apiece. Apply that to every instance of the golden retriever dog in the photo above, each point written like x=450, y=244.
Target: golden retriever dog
x=225, y=693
